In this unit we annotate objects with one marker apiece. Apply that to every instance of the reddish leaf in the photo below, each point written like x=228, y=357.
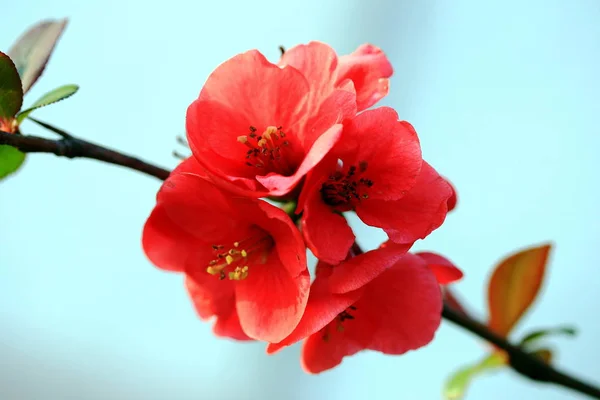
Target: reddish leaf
x=514, y=285
x=11, y=93
x=32, y=50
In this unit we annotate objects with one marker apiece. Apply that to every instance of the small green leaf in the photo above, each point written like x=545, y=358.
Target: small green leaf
x=32, y=50
x=10, y=160
x=53, y=96
x=456, y=386
x=11, y=92
x=539, y=334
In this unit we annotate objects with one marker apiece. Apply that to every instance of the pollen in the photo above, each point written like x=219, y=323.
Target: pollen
x=234, y=261
x=346, y=189
x=212, y=270
x=268, y=150
x=239, y=273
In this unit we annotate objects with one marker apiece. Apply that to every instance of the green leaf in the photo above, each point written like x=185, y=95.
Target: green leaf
x=10, y=160
x=11, y=92
x=32, y=50
x=53, y=96
x=539, y=334
x=456, y=386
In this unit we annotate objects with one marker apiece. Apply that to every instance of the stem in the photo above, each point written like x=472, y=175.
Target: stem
x=72, y=147
x=523, y=363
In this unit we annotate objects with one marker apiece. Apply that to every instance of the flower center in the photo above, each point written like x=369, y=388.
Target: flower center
x=267, y=152
x=233, y=261
x=347, y=189
x=339, y=322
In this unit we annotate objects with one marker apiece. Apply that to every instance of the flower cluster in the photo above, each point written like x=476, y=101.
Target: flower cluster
x=301, y=133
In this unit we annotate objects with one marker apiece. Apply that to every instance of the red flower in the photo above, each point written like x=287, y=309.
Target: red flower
x=397, y=309
x=244, y=260
x=260, y=128
x=376, y=170
x=367, y=69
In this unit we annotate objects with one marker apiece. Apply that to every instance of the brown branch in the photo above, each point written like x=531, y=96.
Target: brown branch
x=72, y=147
x=525, y=364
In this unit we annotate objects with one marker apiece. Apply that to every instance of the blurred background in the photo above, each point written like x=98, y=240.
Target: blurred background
x=504, y=95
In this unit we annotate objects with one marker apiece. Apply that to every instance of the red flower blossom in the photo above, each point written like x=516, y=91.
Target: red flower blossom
x=244, y=260
x=260, y=127
x=396, y=309
x=367, y=68
x=376, y=170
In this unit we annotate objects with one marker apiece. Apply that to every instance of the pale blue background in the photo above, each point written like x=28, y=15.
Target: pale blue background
x=504, y=95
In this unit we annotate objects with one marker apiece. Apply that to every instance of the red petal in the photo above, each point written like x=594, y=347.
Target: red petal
x=453, y=199
x=166, y=245
x=318, y=63
x=257, y=89
x=319, y=355
x=326, y=232
x=401, y=308
x=323, y=306
x=180, y=223
x=270, y=302
x=279, y=185
x=443, y=269
x=196, y=205
x=415, y=215
x=339, y=106
x=362, y=269
x=230, y=327
x=288, y=239
x=213, y=297
x=368, y=67
x=212, y=131
x=390, y=147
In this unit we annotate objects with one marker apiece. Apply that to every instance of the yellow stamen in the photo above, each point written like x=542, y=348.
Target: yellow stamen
x=262, y=143
x=242, y=139
x=244, y=253
x=229, y=259
x=270, y=130
x=236, y=244
x=239, y=274
x=212, y=271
